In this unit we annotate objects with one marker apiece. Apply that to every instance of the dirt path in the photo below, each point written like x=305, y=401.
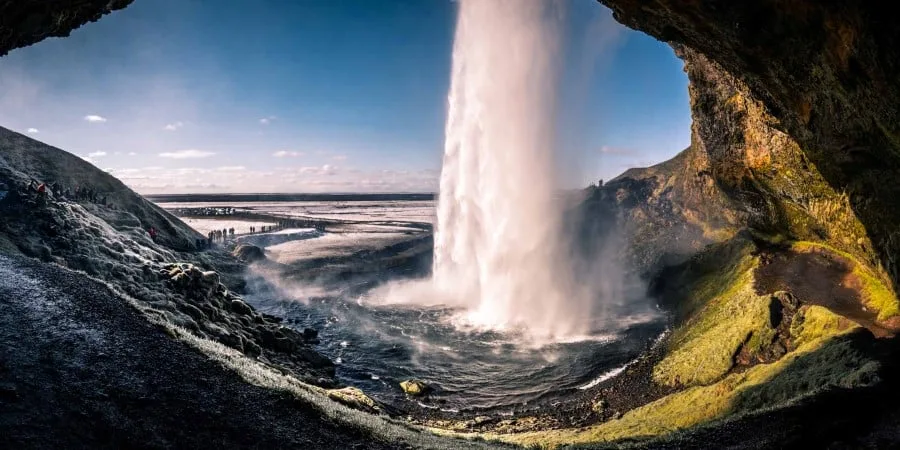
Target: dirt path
x=81, y=369
x=817, y=278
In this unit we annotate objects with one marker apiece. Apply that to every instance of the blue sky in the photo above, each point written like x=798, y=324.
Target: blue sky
x=316, y=95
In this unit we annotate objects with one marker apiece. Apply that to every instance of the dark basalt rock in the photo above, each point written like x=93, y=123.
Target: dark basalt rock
x=25, y=22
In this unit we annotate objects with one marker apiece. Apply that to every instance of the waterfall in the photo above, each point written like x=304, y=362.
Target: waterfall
x=498, y=242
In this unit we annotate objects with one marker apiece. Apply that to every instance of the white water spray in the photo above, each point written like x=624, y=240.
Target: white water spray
x=498, y=245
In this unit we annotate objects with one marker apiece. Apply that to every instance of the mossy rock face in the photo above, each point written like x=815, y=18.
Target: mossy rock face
x=791, y=104
x=414, y=387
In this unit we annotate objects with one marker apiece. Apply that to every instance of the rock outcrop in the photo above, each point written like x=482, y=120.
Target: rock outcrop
x=414, y=387
x=24, y=22
x=248, y=253
x=796, y=109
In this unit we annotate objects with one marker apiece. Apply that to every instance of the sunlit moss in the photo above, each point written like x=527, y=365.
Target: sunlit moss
x=705, y=350
x=825, y=358
x=724, y=312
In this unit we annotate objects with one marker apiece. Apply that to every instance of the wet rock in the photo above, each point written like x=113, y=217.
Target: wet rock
x=599, y=405
x=315, y=360
x=240, y=307
x=248, y=253
x=276, y=340
x=252, y=348
x=354, y=398
x=210, y=278
x=414, y=387
x=271, y=318
x=311, y=336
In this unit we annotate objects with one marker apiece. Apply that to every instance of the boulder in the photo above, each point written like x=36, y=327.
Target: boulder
x=210, y=278
x=240, y=307
x=311, y=335
x=248, y=253
x=414, y=387
x=354, y=398
x=599, y=405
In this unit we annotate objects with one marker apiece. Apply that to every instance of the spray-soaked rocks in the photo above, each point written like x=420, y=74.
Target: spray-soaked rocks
x=414, y=387
x=248, y=253
x=207, y=308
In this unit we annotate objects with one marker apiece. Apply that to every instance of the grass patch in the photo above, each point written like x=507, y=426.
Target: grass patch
x=704, y=349
x=875, y=293
x=825, y=358
x=724, y=312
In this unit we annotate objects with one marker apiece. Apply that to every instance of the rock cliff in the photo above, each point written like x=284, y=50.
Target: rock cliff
x=796, y=107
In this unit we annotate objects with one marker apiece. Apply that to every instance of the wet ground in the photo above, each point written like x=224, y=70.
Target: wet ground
x=817, y=278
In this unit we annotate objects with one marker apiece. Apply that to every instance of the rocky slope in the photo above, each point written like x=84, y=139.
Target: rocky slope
x=127, y=339
x=105, y=235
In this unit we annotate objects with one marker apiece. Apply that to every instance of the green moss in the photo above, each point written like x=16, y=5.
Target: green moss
x=705, y=348
x=826, y=358
x=702, y=349
x=815, y=322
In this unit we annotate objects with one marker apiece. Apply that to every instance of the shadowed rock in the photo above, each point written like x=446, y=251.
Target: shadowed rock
x=25, y=22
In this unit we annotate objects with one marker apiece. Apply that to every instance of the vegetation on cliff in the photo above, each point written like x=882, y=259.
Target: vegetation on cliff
x=722, y=356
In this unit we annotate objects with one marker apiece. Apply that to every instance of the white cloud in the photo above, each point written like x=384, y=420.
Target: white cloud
x=325, y=178
x=286, y=153
x=173, y=126
x=339, y=158
x=96, y=154
x=187, y=154
x=267, y=120
x=132, y=153
x=33, y=130
x=327, y=169
x=95, y=118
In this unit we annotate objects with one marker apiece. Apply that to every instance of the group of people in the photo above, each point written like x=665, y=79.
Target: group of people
x=220, y=235
x=229, y=233
x=80, y=194
x=86, y=194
